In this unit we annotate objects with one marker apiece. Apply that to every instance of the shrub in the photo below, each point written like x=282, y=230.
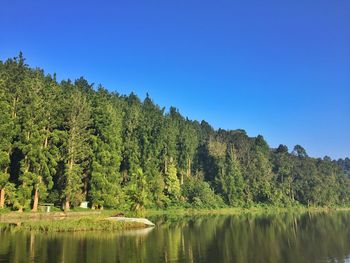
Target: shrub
x=198, y=194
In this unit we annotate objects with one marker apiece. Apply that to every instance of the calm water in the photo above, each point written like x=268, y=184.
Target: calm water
x=279, y=238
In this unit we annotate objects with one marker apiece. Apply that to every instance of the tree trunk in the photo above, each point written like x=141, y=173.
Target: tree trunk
x=36, y=196
x=189, y=168
x=68, y=184
x=2, y=198
x=86, y=185
x=165, y=166
x=36, y=201
x=46, y=142
x=67, y=206
x=14, y=112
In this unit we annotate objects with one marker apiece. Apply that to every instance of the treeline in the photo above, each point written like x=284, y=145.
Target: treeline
x=345, y=165
x=68, y=142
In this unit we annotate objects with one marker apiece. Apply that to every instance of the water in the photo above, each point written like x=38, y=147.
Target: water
x=321, y=237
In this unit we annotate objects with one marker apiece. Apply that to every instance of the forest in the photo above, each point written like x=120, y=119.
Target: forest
x=69, y=141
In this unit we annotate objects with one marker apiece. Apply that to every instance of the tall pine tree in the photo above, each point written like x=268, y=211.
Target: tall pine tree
x=107, y=145
x=76, y=147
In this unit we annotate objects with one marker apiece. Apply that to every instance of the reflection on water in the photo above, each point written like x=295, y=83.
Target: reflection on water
x=322, y=237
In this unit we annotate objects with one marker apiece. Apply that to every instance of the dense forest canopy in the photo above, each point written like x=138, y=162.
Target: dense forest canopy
x=66, y=142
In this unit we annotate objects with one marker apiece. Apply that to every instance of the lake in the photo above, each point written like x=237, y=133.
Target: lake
x=309, y=237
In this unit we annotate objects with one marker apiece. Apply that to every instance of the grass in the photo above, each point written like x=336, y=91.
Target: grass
x=87, y=223
x=238, y=211
x=4, y=211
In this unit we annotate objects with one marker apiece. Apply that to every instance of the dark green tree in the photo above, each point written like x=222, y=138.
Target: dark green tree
x=76, y=146
x=6, y=137
x=107, y=145
x=231, y=181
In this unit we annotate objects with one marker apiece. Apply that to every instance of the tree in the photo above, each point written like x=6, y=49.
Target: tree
x=36, y=138
x=344, y=164
x=259, y=173
x=131, y=148
x=231, y=181
x=299, y=151
x=282, y=168
x=199, y=194
x=6, y=138
x=186, y=143
x=217, y=152
x=172, y=183
x=65, y=142
x=152, y=145
x=187, y=147
x=282, y=149
x=76, y=146
x=12, y=75
x=107, y=144
x=327, y=187
x=137, y=191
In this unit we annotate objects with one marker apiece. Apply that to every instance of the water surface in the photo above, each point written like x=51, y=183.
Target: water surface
x=321, y=237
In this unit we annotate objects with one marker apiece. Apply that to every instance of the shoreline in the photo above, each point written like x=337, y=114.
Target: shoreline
x=75, y=221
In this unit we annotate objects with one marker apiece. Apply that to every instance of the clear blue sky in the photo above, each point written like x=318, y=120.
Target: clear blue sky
x=276, y=68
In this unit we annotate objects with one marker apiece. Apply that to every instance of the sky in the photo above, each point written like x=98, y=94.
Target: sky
x=276, y=68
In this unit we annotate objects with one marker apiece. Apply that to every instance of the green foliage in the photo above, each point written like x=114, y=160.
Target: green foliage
x=232, y=183
x=80, y=224
x=299, y=151
x=65, y=143
x=137, y=191
x=344, y=164
x=76, y=148
x=172, y=183
x=105, y=176
x=199, y=194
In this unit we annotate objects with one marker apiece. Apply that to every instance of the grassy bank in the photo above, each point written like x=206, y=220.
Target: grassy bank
x=239, y=211
x=86, y=223
x=96, y=220
x=10, y=216
x=6, y=215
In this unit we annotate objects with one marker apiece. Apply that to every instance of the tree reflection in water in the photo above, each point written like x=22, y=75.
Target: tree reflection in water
x=310, y=237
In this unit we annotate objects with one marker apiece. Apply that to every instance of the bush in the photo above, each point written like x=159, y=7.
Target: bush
x=198, y=194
